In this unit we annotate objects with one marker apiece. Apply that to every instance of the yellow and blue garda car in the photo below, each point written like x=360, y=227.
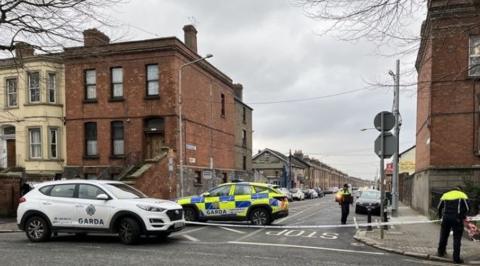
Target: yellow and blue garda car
x=258, y=203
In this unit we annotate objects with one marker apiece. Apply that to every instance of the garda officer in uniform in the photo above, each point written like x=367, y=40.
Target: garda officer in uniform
x=453, y=208
x=344, y=198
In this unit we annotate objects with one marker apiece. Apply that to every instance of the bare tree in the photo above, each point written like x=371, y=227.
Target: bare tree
x=48, y=24
x=375, y=20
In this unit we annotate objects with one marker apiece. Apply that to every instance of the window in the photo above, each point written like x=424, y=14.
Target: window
x=152, y=80
x=474, y=57
x=52, y=88
x=11, y=92
x=91, y=138
x=117, y=138
x=46, y=190
x=244, y=137
x=244, y=163
x=223, y=105
x=198, y=177
x=244, y=115
x=225, y=177
x=64, y=191
x=117, y=82
x=34, y=87
x=53, y=143
x=220, y=191
x=35, y=143
x=90, y=84
x=89, y=191
x=243, y=190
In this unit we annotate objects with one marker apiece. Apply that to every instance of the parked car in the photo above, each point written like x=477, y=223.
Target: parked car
x=312, y=193
x=297, y=194
x=369, y=199
x=286, y=192
x=93, y=206
x=319, y=192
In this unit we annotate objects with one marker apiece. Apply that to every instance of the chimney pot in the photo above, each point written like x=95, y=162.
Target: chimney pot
x=94, y=37
x=23, y=49
x=190, y=35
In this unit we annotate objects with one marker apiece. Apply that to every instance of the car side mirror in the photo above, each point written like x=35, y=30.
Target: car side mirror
x=103, y=197
x=206, y=194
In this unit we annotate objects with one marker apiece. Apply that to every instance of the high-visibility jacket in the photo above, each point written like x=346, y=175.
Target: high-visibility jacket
x=344, y=196
x=453, y=204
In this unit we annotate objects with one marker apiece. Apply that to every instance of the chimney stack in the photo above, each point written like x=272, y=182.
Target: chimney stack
x=23, y=49
x=190, y=37
x=238, y=91
x=94, y=37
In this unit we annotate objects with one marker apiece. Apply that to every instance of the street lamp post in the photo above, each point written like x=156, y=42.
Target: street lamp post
x=180, y=120
x=396, y=113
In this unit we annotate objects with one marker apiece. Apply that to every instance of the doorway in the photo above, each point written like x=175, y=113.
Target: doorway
x=154, y=137
x=11, y=153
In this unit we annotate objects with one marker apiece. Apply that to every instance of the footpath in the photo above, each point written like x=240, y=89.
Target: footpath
x=8, y=225
x=417, y=240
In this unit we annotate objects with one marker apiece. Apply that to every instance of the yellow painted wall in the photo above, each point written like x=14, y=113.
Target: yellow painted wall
x=42, y=115
x=407, y=162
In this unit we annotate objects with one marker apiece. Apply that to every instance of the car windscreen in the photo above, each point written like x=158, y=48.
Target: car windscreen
x=370, y=195
x=294, y=190
x=123, y=191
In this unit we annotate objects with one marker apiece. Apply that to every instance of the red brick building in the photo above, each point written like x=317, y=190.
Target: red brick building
x=122, y=114
x=448, y=100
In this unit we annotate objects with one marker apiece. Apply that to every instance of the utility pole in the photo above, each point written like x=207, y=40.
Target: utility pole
x=289, y=168
x=382, y=175
x=396, y=113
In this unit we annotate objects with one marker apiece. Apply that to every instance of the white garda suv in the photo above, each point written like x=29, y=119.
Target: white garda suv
x=88, y=206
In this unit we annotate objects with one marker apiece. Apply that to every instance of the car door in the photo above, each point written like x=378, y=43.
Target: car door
x=59, y=205
x=91, y=212
x=243, y=194
x=217, y=201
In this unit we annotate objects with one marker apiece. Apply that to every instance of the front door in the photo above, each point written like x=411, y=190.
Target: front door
x=153, y=145
x=11, y=153
x=91, y=212
x=219, y=201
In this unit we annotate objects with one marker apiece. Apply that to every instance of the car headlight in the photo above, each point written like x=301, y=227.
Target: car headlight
x=150, y=208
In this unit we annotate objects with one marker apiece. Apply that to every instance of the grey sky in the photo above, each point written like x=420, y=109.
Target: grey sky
x=275, y=51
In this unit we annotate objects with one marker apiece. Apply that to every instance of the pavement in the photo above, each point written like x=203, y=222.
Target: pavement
x=417, y=240
x=8, y=225
x=213, y=245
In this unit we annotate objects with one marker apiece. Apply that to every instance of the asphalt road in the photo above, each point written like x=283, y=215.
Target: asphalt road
x=208, y=245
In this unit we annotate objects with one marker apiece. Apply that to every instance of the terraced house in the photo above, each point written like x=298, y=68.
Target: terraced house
x=32, y=135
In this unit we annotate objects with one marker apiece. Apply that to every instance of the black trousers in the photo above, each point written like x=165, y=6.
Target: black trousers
x=451, y=224
x=345, y=212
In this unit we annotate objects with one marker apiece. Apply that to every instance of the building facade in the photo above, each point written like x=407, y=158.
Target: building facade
x=448, y=100
x=32, y=132
x=243, y=136
x=273, y=167
x=123, y=114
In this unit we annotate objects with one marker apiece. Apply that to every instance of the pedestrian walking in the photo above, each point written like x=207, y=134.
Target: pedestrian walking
x=452, y=209
x=345, y=199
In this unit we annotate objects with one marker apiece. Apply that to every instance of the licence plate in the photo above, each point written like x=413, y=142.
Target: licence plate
x=179, y=224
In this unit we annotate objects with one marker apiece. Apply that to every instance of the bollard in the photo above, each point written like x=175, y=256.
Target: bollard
x=369, y=212
x=385, y=219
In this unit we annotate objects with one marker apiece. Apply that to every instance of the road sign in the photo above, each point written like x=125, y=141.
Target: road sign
x=389, y=143
x=388, y=121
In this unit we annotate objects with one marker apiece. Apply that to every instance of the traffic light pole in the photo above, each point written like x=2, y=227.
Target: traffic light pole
x=382, y=174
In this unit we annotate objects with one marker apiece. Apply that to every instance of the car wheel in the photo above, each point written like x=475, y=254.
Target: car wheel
x=260, y=216
x=129, y=231
x=190, y=214
x=37, y=229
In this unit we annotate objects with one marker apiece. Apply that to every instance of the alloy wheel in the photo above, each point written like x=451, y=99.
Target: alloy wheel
x=36, y=229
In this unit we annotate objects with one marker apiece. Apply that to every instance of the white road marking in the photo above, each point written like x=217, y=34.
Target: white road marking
x=189, y=231
x=191, y=238
x=232, y=230
x=355, y=221
x=305, y=247
x=251, y=234
x=291, y=216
